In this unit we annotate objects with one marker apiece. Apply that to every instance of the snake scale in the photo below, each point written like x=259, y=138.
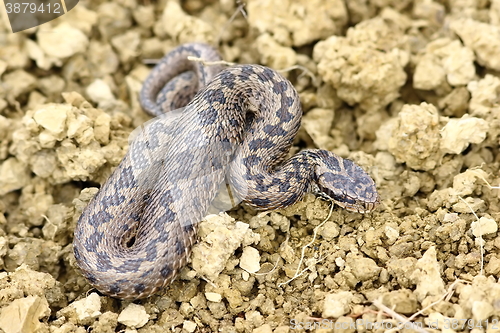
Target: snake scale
x=234, y=131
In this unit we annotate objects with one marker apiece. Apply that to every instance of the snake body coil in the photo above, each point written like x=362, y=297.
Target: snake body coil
x=137, y=232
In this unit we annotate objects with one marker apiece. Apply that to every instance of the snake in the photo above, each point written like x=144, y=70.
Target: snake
x=216, y=129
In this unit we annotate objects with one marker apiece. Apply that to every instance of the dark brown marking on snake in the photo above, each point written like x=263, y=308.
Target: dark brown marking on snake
x=115, y=287
x=127, y=178
x=189, y=228
x=166, y=271
x=238, y=127
x=140, y=287
x=99, y=217
x=261, y=144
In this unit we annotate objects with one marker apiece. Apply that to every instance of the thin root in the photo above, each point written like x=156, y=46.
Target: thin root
x=298, y=272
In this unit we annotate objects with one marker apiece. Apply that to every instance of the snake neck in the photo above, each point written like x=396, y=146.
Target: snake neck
x=266, y=188
x=318, y=171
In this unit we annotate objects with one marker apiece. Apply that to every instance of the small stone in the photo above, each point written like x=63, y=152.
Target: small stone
x=445, y=61
x=273, y=54
x=52, y=117
x=340, y=262
x=189, y=326
x=391, y=234
x=484, y=93
x=213, y=297
x=482, y=38
x=127, y=45
x=482, y=310
x=13, y=175
x=250, y=259
x=23, y=315
x=330, y=230
x=346, y=325
x=294, y=26
x=493, y=266
x=144, y=16
x=102, y=128
x=427, y=277
x=99, y=91
x=360, y=73
x=183, y=27
x=282, y=329
x=47, y=139
x=266, y=328
x=18, y=82
x=429, y=73
x=113, y=19
x=37, y=283
x=220, y=237
x=62, y=41
x=402, y=301
x=255, y=318
x=337, y=305
x=133, y=316
x=458, y=134
x=107, y=323
x=484, y=226
x=437, y=320
x=87, y=309
x=42, y=60
x=364, y=269
x=318, y=123
x=416, y=137
x=79, y=128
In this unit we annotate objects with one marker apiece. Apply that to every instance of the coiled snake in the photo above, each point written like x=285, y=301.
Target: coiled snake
x=235, y=132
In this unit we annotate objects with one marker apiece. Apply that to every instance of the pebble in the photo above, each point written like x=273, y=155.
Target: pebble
x=364, y=269
x=444, y=62
x=220, y=237
x=18, y=82
x=23, y=315
x=99, y=91
x=323, y=19
x=63, y=41
x=337, y=304
x=87, y=309
x=484, y=226
x=133, y=316
x=482, y=310
x=415, y=138
x=458, y=134
x=13, y=175
x=427, y=276
x=266, y=328
x=370, y=77
x=213, y=297
x=482, y=38
x=189, y=326
x=52, y=117
x=250, y=259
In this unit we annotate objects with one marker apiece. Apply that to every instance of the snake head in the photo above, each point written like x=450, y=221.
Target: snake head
x=345, y=183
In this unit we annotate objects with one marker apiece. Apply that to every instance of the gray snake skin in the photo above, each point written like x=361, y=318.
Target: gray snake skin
x=233, y=132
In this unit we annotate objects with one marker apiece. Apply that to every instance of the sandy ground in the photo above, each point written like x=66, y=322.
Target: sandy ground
x=410, y=90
